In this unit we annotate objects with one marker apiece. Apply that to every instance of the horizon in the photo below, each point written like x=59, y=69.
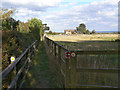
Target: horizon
x=64, y=14
x=96, y=31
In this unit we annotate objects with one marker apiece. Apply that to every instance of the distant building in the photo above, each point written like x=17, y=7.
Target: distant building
x=69, y=31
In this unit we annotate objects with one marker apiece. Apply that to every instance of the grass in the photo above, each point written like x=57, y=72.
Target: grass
x=40, y=74
x=86, y=45
x=82, y=37
x=85, y=42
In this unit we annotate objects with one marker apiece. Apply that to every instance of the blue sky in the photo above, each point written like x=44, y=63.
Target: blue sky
x=101, y=15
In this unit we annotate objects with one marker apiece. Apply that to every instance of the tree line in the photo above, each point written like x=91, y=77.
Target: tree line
x=18, y=35
x=31, y=26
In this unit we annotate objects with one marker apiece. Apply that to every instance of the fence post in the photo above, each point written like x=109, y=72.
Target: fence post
x=47, y=41
x=14, y=75
x=73, y=61
x=59, y=54
x=67, y=74
x=54, y=49
x=34, y=46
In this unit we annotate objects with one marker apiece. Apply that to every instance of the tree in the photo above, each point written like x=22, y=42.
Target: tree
x=81, y=28
x=8, y=23
x=50, y=32
x=5, y=13
x=87, y=32
x=36, y=27
x=93, y=32
x=35, y=24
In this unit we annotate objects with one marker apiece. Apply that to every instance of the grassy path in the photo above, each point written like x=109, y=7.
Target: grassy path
x=40, y=74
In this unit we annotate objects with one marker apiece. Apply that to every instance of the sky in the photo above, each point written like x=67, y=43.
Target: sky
x=101, y=15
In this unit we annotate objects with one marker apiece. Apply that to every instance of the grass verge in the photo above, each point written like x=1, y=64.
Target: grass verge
x=40, y=74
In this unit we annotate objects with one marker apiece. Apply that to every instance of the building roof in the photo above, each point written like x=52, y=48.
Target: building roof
x=69, y=30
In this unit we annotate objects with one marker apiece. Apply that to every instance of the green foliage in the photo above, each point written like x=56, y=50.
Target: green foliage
x=17, y=35
x=81, y=28
x=5, y=13
x=53, y=33
x=87, y=32
x=116, y=32
x=23, y=27
x=9, y=24
x=35, y=24
x=14, y=43
x=50, y=32
x=93, y=32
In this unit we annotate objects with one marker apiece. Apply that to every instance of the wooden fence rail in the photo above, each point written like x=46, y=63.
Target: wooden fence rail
x=28, y=55
x=69, y=74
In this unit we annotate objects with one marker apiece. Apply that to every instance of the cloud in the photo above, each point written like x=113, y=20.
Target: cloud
x=98, y=15
x=31, y=4
x=114, y=25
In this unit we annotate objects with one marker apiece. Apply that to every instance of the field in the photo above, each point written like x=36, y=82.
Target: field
x=87, y=42
x=93, y=43
x=81, y=37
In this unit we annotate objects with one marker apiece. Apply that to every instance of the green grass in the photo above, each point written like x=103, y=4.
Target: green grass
x=86, y=45
x=40, y=74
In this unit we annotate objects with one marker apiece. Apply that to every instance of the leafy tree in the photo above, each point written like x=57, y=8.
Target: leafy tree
x=23, y=27
x=93, y=32
x=9, y=24
x=5, y=13
x=35, y=24
x=87, y=32
x=50, y=32
x=20, y=27
x=36, y=27
x=81, y=28
x=44, y=28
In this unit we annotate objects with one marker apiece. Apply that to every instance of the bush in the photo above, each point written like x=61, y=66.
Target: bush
x=14, y=43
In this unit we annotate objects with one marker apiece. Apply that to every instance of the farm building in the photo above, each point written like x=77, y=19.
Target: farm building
x=69, y=31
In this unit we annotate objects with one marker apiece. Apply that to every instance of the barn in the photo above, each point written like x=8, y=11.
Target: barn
x=69, y=31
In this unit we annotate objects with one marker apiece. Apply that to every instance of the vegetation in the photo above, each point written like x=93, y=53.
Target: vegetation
x=41, y=73
x=17, y=35
x=53, y=33
x=93, y=61
x=84, y=37
x=5, y=13
x=87, y=32
x=93, y=32
x=81, y=29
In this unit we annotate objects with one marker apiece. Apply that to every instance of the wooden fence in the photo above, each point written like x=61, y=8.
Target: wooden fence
x=15, y=70
x=69, y=69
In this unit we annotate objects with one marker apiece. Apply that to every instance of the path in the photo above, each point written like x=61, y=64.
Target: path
x=40, y=74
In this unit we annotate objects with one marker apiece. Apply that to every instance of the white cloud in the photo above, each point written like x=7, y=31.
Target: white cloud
x=98, y=14
x=94, y=19
x=114, y=25
x=31, y=4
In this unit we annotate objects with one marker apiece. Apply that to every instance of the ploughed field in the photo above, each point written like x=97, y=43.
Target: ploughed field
x=97, y=42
